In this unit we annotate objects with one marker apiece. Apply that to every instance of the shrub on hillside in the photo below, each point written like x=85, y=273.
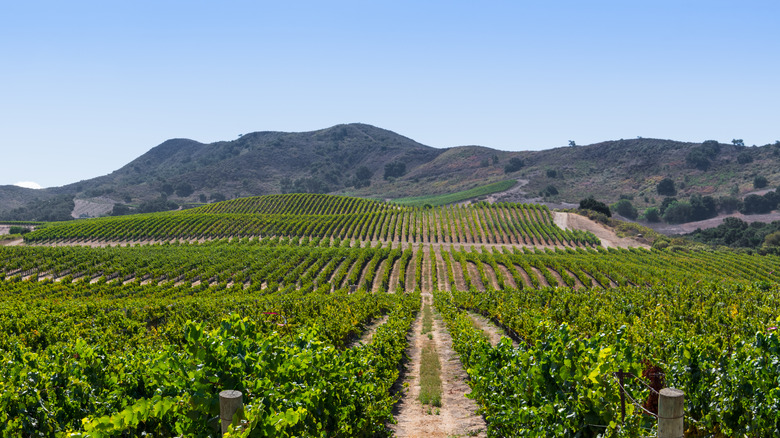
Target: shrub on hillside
x=625, y=209
x=759, y=182
x=700, y=157
x=666, y=187
x=678, y=212
x=744, y=157
x=756, y=204
x=729, y=204
x=183, y=190
x=652, y=215
x=514, y=165
x=550, y=190
x=590, y=203
x=665, y=204
x=394, y=169
x=697, y=159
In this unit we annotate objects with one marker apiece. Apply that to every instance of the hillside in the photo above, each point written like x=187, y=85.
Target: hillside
x=366, y=161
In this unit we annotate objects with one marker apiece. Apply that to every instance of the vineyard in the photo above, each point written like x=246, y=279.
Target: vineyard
x=304, y=215
x=275, y=296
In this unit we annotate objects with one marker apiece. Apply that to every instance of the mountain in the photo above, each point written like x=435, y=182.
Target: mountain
x=363, y=160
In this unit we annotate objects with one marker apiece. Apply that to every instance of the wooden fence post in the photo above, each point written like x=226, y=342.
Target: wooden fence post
x=670, y=413
x=230, y=401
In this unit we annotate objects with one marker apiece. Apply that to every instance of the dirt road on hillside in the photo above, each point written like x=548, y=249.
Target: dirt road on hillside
x=572, y=221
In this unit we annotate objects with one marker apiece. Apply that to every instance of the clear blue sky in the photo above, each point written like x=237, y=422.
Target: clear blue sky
x=85, y=87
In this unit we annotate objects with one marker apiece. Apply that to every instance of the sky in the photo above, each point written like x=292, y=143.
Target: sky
x=86, y=87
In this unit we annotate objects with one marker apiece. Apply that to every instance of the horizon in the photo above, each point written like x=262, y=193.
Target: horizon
x=90, y=86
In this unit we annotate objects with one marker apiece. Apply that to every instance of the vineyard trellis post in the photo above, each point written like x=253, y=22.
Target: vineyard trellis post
x=670, y=409
x=230, y=402
x=622, y=396
x=670, y=413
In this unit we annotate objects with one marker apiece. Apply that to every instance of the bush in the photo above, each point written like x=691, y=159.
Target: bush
x=652, y=215
x=744, y=157
x=697, y=159
x=625, y=209
x=666, y=187
x=703, y=207
x=666, y=203
x=756, y=204
x=18, y=230
x=550, y=190
x=678, y=212
x=729, y=204
x=120, y=209
x=394, y=169
x=159, y=204
x=590, y=203
x=514, y=165
x=760, y=182
x=183, y=190
x=711, y=148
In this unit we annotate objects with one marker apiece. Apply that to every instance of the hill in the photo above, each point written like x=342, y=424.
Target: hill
x=366, y=161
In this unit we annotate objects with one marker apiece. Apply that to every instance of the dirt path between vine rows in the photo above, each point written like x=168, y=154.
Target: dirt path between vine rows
x=492, y=331
x=368, y=334
x=457, y=416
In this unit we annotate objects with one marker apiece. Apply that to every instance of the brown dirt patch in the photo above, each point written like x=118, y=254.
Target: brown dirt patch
x=458, y=415
x=572, y=221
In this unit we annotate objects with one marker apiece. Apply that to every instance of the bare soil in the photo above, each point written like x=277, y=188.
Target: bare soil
x=392, y=285
x=457, y=416
x=571, y=221
x=492, y=331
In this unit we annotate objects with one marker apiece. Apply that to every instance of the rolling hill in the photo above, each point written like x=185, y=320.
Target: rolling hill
x=366, y=161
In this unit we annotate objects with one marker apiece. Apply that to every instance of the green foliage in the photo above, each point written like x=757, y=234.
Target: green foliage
x=700, y=157
x=759, y=182
x=430, y=375
x=729, y=204
x=757, y=204
x=744, y=157
x=159, y=204
x=362, y=177
x=666, y=187
x=515, y=164
x=678, y=212
x=325, y=216
x=395, y=169
x=626, y=209
x=592, y=204
x=711, y=341
x=451, y=198
x=120, y=209
x=736, y=233
x=183, y=190
x=651, y=214
x=15, y=229
x=58, y=208
x=550, y=190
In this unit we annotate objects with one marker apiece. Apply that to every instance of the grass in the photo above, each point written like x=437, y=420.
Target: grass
x=427, y=321
x=430, y=376
x=435, y=200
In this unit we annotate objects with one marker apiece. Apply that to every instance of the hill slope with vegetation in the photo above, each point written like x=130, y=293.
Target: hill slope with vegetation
x=647, y=176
